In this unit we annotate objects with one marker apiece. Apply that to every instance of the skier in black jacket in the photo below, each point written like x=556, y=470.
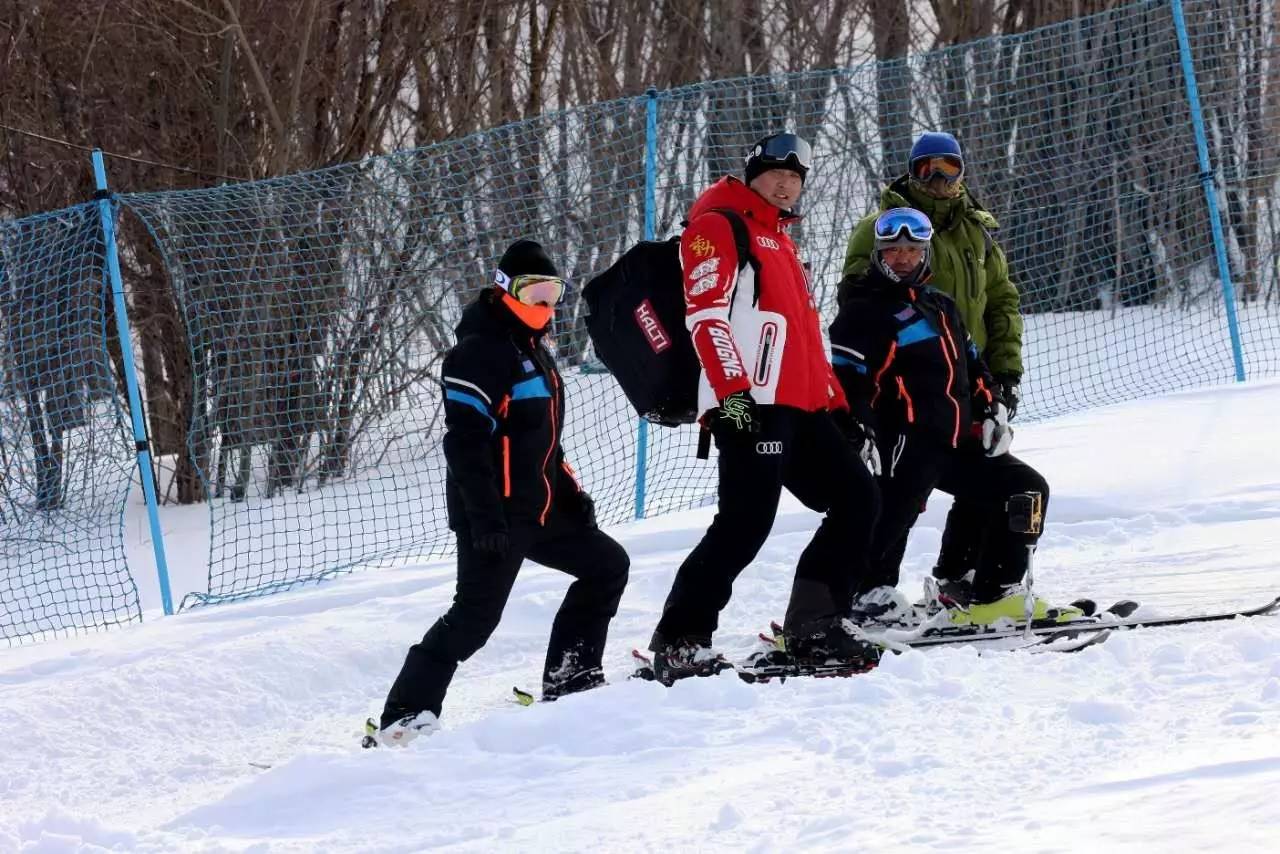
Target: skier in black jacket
x=511, y=495
x=911, y=373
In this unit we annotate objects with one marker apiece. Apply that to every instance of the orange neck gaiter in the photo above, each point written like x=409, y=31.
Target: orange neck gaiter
x=536, y=317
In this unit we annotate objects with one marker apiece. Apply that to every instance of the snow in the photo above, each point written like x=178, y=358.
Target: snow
x=150, y=737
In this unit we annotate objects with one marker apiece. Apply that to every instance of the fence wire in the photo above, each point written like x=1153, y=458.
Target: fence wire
x=317, y=306
x=66, y=460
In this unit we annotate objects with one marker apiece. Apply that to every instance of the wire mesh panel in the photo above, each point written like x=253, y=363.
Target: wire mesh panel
x=1237, y=61
x=65, y=458
x=1078, y=139
x=319, y=306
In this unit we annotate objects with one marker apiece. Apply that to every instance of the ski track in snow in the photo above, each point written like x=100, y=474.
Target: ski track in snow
x=1158, y=740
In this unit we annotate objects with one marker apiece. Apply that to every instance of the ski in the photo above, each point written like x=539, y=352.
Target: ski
x=1122, y=609
x=940, y=635
x=643, y=667
x=920, y=618
x=1071, y=640
x=762, y=667
x=369, y=738
x=1070, y=637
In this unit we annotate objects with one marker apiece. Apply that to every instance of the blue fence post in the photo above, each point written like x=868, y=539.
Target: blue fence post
x=650, y=226
x=145, y=474
x=1210, y=186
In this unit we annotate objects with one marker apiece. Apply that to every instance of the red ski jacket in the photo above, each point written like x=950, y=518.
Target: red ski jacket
x=770, y=344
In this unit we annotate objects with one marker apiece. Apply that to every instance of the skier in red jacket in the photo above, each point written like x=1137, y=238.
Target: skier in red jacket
x=778, y=416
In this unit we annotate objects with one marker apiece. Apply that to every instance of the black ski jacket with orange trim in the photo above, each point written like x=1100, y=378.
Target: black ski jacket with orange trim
x=503, y=415
x=906, y=361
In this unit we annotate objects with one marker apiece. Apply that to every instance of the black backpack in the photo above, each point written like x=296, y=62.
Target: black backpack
x=636, y=323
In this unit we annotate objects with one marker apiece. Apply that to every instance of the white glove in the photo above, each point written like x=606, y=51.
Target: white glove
x=870, y=454
x=997, y=435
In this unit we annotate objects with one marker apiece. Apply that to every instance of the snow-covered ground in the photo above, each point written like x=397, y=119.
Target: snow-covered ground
x=146, y=737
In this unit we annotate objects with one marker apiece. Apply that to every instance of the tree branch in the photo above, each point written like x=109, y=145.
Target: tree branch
x=258, y=77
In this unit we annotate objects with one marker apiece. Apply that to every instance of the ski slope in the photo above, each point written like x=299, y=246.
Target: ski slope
x=150, y=737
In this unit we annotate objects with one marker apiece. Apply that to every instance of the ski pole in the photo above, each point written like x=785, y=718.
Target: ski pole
x=1030, y=600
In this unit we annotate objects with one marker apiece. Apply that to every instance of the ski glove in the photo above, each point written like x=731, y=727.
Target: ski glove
x=862, y=438
x=997, y=435
x=738, y=412
x=1007, y=386
x=586, y=509
x=495, y=543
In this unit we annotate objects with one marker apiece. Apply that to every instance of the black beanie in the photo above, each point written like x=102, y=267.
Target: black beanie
x=524, y=258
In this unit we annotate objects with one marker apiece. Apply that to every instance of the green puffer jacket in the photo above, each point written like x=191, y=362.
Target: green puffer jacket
x=967, y=265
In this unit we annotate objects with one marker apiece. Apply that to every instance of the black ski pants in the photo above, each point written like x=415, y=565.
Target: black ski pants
x=599, y=566
x=913, y=467
x=806, y=453
x=962, y=538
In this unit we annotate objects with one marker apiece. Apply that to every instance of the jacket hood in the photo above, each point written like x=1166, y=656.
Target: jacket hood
x=730, y=193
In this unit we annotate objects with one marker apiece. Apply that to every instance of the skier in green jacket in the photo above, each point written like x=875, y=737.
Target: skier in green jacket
x=970, y=267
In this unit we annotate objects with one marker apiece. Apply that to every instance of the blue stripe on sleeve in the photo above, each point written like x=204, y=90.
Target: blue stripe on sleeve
x=837, y=359
x=474, y=402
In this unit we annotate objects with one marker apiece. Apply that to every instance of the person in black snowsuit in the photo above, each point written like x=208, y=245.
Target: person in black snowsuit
x=910, y=371
x=511, y=495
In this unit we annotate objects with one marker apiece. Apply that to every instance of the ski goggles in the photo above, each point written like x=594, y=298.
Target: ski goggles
x=784, y=149
x=948, y=166
x=899, y=226
x=537, y=290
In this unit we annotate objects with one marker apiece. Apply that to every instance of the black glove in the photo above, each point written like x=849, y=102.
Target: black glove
x=738, y=412
x=495, y=543
x=861, y=437
x=586, y=509
x=1007, y=387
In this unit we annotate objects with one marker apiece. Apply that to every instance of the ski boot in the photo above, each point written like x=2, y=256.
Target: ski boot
x=583, y=680
x=684, y=658
x=884, y=608
x=1010, y=605
x=401, y=732
x=838, y=642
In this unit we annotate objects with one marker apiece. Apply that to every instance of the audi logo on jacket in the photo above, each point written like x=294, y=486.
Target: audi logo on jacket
x=503, y=414
x=771, y=346
x=906, y=361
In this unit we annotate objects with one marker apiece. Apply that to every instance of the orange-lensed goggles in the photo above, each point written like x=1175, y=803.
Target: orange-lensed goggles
x=537, y=290
x=946, y=165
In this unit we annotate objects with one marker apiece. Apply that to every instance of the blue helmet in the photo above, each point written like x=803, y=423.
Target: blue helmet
x=936, y=144
x=936, y=154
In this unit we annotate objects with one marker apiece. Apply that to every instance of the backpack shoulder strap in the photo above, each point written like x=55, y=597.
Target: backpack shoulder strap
x=742, y=242
x=741, y=239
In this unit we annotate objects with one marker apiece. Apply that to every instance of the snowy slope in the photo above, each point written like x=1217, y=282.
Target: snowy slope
x=1160, y=740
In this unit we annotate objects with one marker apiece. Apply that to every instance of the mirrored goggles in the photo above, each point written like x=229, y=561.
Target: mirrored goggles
x=906, y=225
x=537, y=290
x=948, y=166
x=785, y=149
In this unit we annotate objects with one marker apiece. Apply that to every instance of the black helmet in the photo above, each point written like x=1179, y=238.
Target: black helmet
x=779, y=151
